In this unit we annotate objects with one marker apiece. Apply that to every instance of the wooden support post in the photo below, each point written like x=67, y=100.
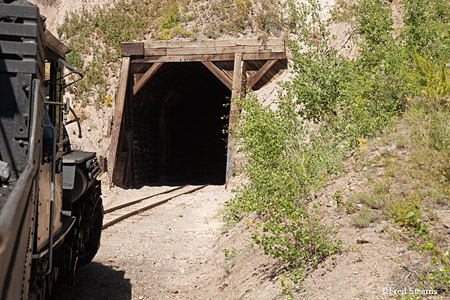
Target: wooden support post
x=235, y=94
x=237, y=84
x=219, y=74
x=261, y=72
x=150, y=72
x=120, y=101
x=130, y=181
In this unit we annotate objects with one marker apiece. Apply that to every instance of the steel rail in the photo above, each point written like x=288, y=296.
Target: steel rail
x=153, y=205
x=110, y=210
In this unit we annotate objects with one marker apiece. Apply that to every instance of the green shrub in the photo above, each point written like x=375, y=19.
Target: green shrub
x=171, y=17
x=435, y=79
x=354, y=97
x=286, y=162
x=332, y=105
x=427, y=27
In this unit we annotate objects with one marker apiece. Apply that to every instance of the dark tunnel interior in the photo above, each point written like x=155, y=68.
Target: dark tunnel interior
x=178, y=120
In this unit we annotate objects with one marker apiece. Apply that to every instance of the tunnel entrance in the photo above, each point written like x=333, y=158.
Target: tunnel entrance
x=173, y=107
x=179, y=126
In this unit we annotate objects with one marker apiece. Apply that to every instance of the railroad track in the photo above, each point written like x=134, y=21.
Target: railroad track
x=123, y=211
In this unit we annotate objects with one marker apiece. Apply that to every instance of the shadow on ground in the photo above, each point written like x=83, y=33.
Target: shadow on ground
x=95, y=281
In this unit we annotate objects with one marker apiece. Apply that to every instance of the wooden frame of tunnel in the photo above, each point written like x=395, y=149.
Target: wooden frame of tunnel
x=210, y=53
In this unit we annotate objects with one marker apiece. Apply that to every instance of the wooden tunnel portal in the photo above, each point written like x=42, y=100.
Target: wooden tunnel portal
x=173, y=105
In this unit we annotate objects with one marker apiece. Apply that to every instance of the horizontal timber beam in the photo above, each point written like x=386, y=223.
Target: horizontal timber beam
x=187, y=50
x=132, y=49
x=215, y=43
x=169, y=48
x=210, y=57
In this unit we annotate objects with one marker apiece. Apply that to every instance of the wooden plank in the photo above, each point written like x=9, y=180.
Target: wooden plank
x=152, y=51
x=137, y=77
x=237, y=77
x=185, y=58
x=234, y=110
x=23, y=11
x=266, y=67
x=244, y=78
x=187, y=50
x=265, y=56
x=221, y=50
x=214, y=43
x=120, y=101
x=17, y=66
x=230, y=75
x=150, y=72
x=210, y=57
x=219, y=74
x=132, y=49
x=130, y=139
x=19, y=48
x=183, y=44
x=53, y=43
x=22, y=30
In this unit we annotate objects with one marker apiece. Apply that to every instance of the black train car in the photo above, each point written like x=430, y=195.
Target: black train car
x=51, y=211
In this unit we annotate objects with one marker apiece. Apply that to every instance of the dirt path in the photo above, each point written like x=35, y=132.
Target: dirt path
x=160, y=254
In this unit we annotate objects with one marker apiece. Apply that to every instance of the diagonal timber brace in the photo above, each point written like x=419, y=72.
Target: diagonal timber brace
x=219, y=74
x=150, y=72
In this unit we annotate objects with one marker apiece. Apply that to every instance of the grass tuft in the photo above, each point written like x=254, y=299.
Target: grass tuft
x=364, y=218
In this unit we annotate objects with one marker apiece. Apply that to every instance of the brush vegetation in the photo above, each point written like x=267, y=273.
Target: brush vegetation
x=397, y=88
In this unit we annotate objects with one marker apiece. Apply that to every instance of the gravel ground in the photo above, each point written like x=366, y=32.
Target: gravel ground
x=160, y=254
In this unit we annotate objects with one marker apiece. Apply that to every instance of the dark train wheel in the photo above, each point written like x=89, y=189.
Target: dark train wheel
x=71, y=275
x=93, y=244
x=42, y=290
x=51, y=279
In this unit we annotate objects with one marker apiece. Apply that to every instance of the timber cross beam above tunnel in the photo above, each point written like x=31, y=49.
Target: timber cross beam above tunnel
x=151, y=81
x=210, y=53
